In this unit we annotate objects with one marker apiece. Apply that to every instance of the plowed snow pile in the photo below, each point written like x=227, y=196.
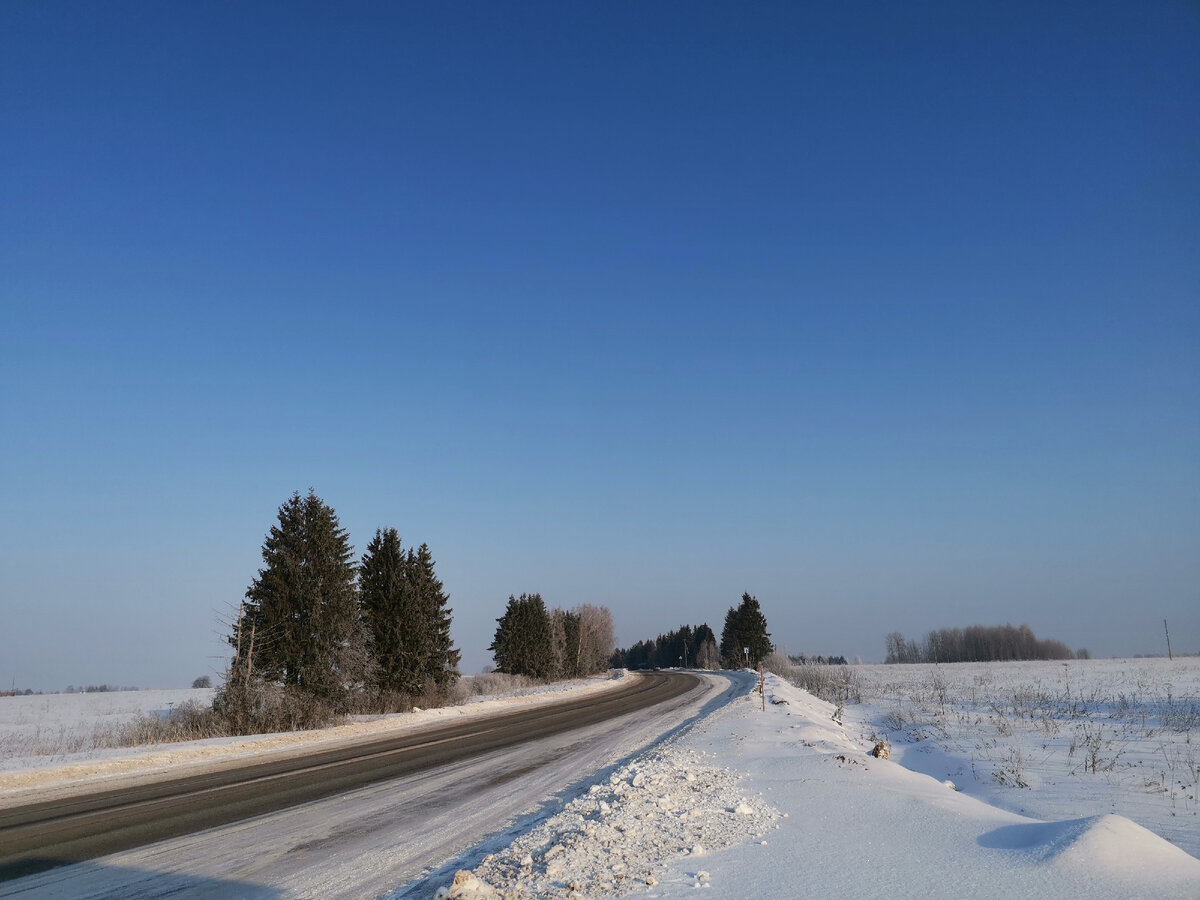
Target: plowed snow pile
x=612, y=840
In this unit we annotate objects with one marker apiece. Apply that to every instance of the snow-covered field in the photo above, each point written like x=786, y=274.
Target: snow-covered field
x=784, y=802
x=1049, y=739
x=36, y=726
x=757, y=799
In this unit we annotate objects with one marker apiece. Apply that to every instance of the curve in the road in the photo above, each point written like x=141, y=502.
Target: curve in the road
x=39, y=836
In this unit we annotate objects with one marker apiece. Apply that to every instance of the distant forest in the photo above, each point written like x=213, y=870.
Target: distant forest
x=976, y=643
x=693, y=646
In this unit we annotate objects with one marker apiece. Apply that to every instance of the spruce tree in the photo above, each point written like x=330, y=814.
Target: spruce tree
x=439, y=658
x=745, y=626
x=302, y=609
x=390, y=610
x=523, y=644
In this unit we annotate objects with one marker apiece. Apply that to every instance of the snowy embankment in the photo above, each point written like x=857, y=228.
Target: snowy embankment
x=784, y=802
x=45, y=749
x=744, y=802
x=1050, y=740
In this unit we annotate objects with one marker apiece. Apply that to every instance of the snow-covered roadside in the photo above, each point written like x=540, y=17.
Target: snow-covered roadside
x=847, y=823
x=23, y=778
x=365, y=842
x=612, y=839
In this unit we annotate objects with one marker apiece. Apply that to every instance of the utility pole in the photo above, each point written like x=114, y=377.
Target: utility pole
x=1168, y=633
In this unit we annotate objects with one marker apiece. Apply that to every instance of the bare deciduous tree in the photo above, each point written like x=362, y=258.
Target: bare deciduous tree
x=708, y=656
x=596, y=639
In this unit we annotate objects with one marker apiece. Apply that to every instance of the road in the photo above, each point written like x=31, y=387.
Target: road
x=322, y=804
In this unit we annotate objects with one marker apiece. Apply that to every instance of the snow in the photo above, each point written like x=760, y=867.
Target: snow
x=1051, y=740
x=34, y=727
x=613, y=838
x=791, y=804
x=364, y=843
x=729, y=793
x=49, y=746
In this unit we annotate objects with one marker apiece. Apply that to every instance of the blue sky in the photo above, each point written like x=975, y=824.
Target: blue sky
x=885, y=313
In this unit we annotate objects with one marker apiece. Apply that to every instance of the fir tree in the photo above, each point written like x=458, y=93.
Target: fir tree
x=389, y=606
x=523, y=643
x=745, y=626
x=439, y=658
x=301, y=611
x=404, y=604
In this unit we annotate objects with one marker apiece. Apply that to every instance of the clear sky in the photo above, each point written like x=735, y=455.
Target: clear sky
x=888, y=314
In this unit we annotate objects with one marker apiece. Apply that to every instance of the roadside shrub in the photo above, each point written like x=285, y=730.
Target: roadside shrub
x=431, y=696
x=265, y=708
x=489, y=683
x=189, y=721
x=832, y=683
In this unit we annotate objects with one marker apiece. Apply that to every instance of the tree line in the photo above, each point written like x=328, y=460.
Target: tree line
x=744, y=641
x=552, y=644
x=803, y=659
x=332, y=632
x=975, y=643
x=692, y=646
x=320, y=633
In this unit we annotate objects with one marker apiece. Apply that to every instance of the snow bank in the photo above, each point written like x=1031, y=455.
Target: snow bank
x=784, y=802
x=1108, y=843
x=23, y=776
x=1051, y=740
x=611, y=841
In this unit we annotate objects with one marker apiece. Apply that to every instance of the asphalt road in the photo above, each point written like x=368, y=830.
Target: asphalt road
x=40, y=836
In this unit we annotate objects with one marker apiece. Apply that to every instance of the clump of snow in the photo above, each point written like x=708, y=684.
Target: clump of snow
x=613, y=840
x=465, y=887
x=1107, y=843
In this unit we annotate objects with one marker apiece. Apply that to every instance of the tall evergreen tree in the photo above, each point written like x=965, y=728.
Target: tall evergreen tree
x=390, y=608
x=745, y=627
x=404, y=604
x=523, y=643
x=302, y=609
x=439, y=658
